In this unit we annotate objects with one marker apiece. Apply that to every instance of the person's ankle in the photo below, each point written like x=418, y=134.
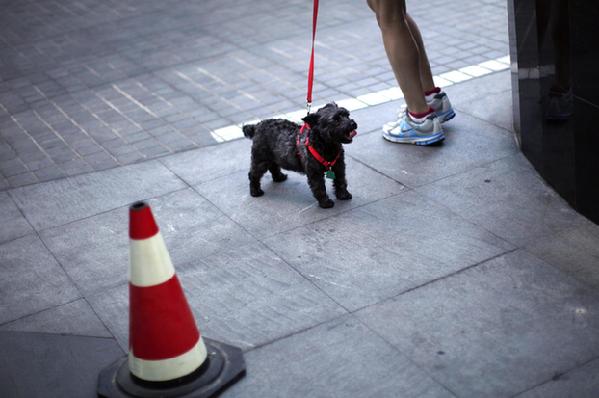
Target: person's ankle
x=430, y=94
x=420, y=116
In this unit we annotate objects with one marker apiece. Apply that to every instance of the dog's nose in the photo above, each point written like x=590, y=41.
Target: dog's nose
x=354, y=125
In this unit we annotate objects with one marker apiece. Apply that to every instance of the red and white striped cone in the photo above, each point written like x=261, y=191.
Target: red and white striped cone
x=167, y=354
x=164, y=342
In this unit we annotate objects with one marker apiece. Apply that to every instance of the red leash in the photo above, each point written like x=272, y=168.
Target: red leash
x=311, y=67
x=327, y=165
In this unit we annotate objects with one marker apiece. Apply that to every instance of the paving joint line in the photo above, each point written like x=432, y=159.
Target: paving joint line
x=106, y=211
x=37, y=313
x=466, y=112
x=484, y=164
x=557, y=376
x=269, y=249
x=432, y=281
x=413, y=362
x=340, y=213
x=262, y=243
x=59, y=334
x=294, y=333
x=67, y=275
x=378, y=171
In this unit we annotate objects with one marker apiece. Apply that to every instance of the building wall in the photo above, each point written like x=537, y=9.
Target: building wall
x=554, y=47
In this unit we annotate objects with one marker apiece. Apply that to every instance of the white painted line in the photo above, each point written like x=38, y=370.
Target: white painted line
x=295, y=116
x=216, y=137
x=190, y=80
x=372, y=98
x=504, y=60
x=279, y=116
x=212, y=76
x=440, y=82
x=229, y=133
x=136, y=102
x=475, y=70
x=351, y=104
x=393, y=93
x=493, y=65
x=455, y=76
x=233, y=132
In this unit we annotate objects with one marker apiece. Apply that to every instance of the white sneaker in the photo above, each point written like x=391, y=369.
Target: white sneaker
x=424, y=131
x=442, y=107
x=439, y=103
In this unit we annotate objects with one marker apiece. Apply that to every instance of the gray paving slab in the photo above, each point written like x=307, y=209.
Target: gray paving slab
x=507, y=198
x=95, y=251
x=372, y=118
x=3, y=183
x=341, y=358
x=59, y=202
x=246, y=296
x=22, y=179
x=49, y=365
x=574, y=251
x=30, y=279
x=385, y=248
x=495, y=329
x=76, y=317
x=582, y=382
x=15, y=224
x=470, y=142
x=488, y=98
x=290, y=203
x=205, y=164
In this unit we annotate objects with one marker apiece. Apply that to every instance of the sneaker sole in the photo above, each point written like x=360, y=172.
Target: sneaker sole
x=443, y=117
x=415, y=141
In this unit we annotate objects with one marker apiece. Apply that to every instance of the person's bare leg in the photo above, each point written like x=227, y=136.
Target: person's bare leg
x=426, y=76
x=402, y=50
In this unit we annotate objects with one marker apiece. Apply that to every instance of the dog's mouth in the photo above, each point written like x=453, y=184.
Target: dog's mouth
x=350, y=136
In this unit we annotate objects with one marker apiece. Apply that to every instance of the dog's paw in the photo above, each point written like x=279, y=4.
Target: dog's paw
x=279, y=178
x=256, y=192
x=345, y=195
x=326, y=204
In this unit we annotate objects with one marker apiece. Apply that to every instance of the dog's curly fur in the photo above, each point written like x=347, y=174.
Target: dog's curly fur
x=274, y=147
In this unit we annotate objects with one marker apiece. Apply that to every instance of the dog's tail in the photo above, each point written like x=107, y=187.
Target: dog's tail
x=249, y=130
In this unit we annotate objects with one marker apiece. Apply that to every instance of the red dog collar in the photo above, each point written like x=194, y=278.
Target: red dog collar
x=313, y=151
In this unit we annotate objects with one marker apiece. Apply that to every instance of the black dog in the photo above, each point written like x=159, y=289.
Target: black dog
x=314, y=149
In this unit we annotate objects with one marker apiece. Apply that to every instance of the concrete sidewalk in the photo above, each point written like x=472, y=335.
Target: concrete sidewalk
x=454, y=271
x=88, y=87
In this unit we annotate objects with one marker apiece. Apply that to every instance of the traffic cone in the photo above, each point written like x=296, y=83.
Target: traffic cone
x=167, y=353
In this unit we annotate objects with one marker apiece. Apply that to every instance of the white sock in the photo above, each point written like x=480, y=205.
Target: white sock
x=420, y=119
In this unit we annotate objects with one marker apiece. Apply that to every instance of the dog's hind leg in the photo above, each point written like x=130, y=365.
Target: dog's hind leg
x=277, y=175
x=257, y=170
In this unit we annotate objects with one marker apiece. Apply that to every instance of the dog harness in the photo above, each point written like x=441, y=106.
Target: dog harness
x=329, y=173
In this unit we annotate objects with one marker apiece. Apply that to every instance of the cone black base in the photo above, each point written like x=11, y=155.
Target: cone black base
x=223, y=367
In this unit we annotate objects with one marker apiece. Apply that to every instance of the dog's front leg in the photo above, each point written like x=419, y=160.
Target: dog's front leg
x=319, y=189
x=340, y=183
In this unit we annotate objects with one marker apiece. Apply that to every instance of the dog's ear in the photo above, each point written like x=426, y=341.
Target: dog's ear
x=312, y=119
